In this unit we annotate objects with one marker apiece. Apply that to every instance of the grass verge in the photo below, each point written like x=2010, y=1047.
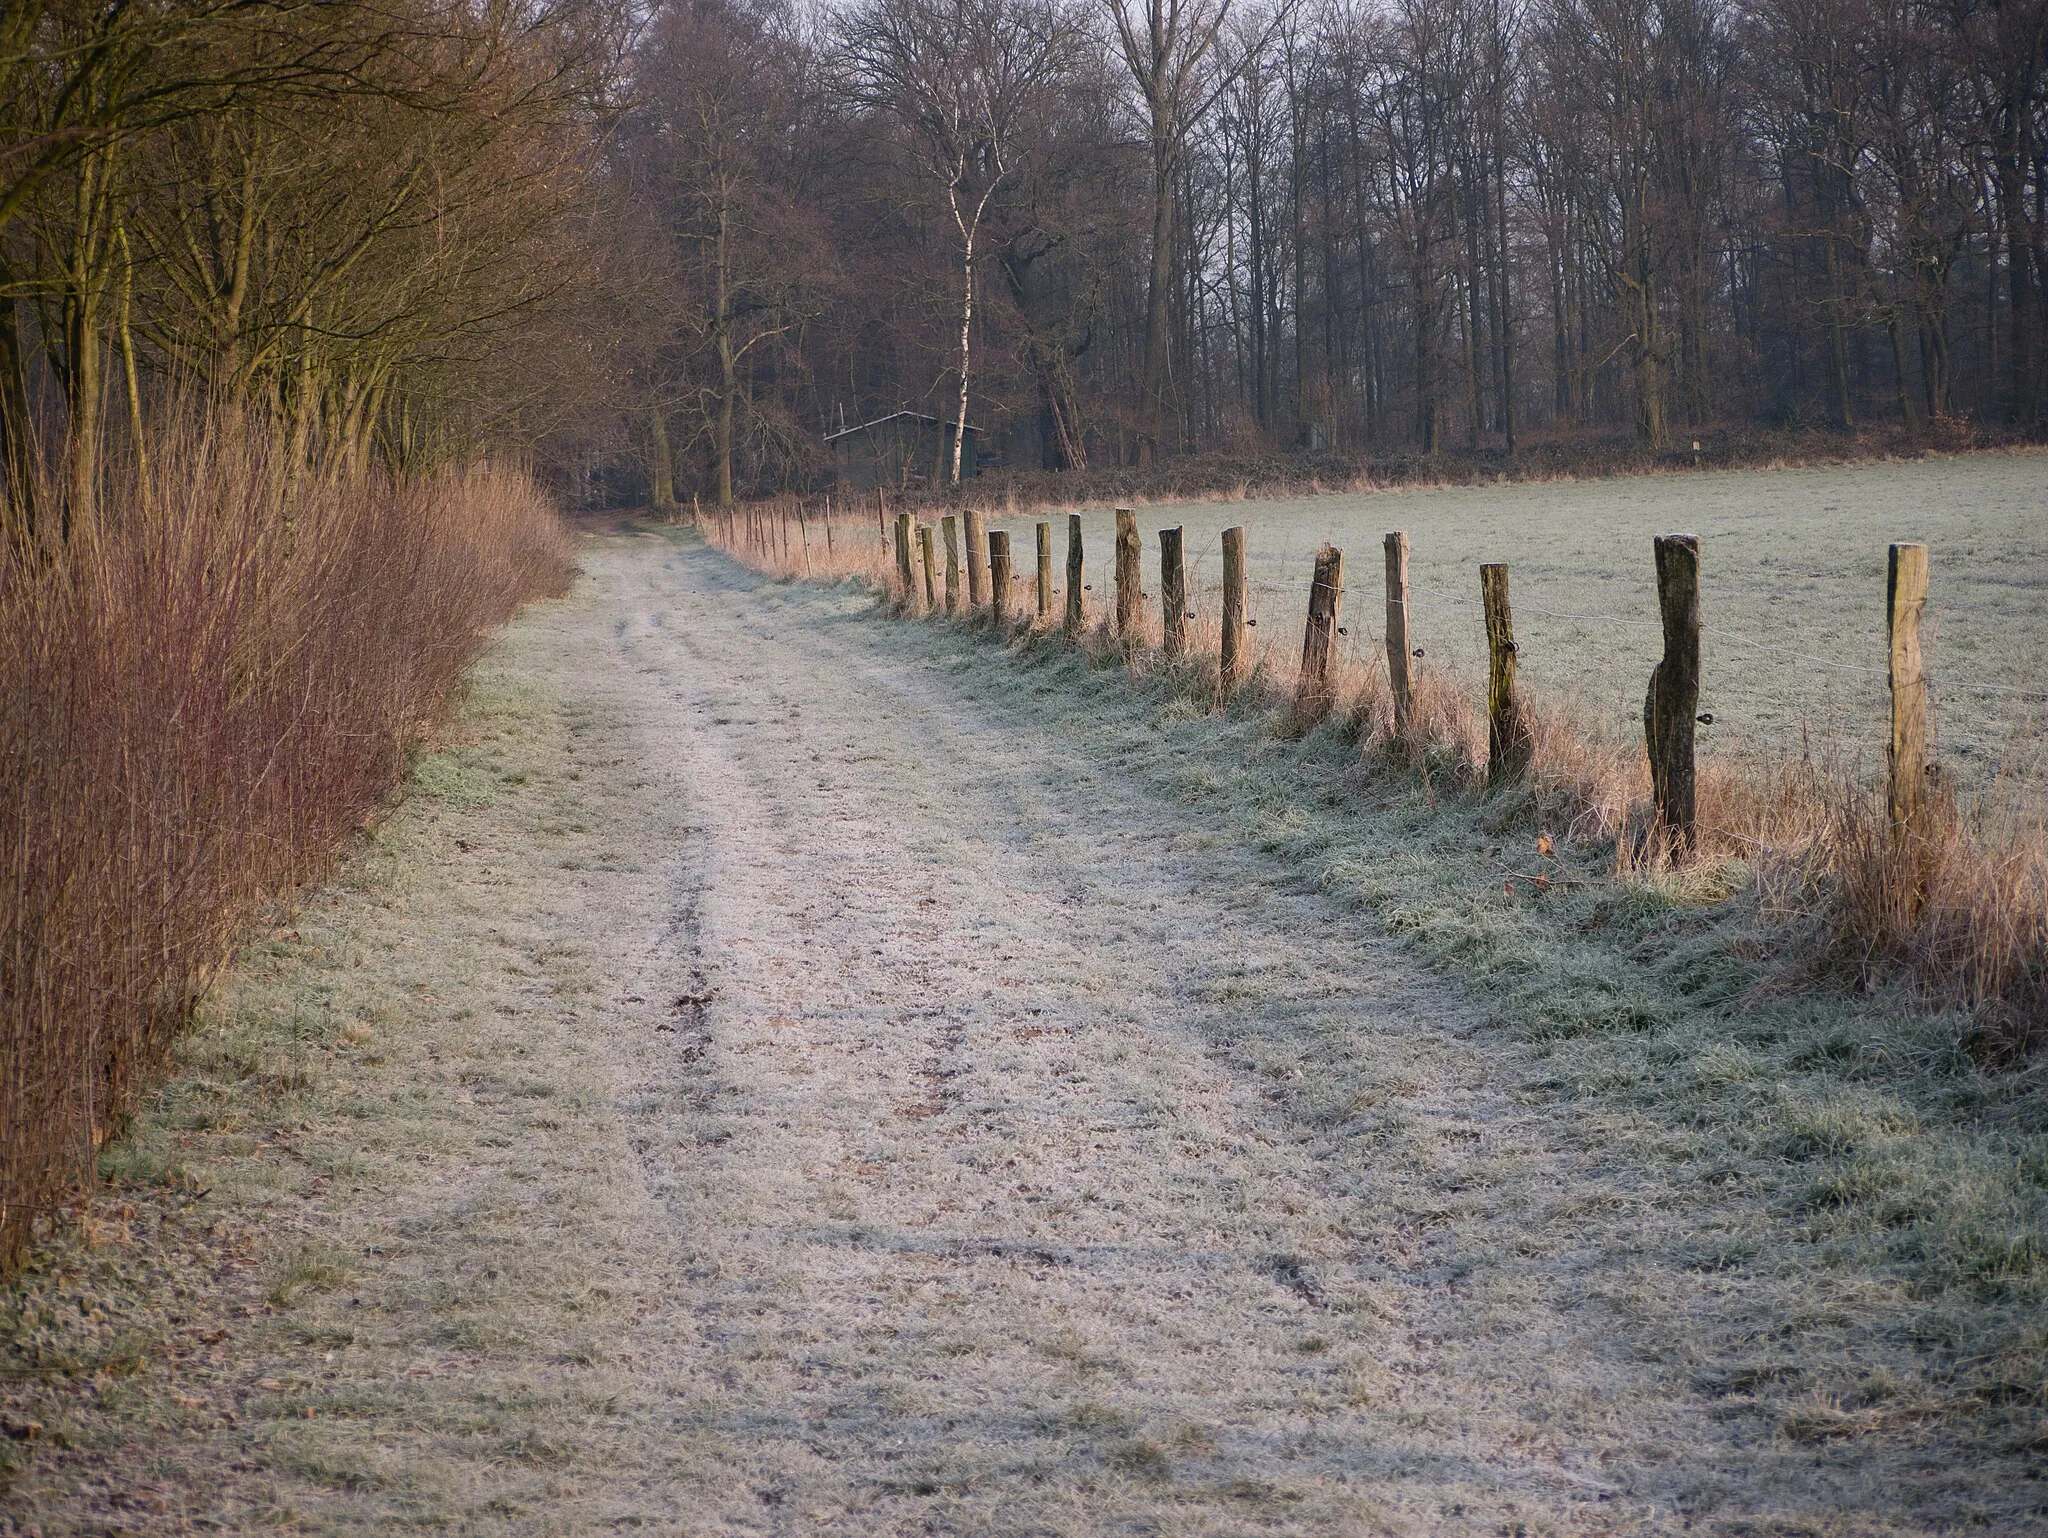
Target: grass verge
x=369, y=1259
x=204, y=691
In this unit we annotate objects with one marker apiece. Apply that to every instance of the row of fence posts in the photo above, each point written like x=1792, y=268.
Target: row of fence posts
x=1670, y=706
x=756, y=530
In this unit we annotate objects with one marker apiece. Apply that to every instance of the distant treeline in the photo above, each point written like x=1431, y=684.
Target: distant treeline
x=670, y=246
x=1349, y=224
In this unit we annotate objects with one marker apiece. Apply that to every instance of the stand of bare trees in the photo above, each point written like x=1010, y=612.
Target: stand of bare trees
x=353, y=218
x=1131, y=228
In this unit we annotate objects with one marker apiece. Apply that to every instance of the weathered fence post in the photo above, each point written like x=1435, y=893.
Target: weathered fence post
x=903, y=570
x=924, y=549
x=977, y=561
x=1508, y=740
x=949, y=527
x=1312, y=695
x=1231, y=665
x=1673, y=702
x=999, y=576
x=1399, y=679
x=1906, y=756
x=1044, y=531
x=830, y=558
x=803, y=534
x=1129, y=597
x=882, y=515
x=1173, y=593
x=1075, y=614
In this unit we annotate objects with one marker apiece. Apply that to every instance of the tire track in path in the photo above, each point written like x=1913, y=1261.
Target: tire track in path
x=1038, y=1161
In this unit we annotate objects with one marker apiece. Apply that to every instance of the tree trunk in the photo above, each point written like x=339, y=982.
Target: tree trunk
x=1158, y=287
x=663, y=489
x=1504, y=296
x=728, y=372
x=721, y=437
x=18, y=467
x=1840, y=406
x=966, y=342
x=2020, y=286
x=1895, y=324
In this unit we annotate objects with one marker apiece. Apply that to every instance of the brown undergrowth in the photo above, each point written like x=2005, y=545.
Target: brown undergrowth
x=203, y=690
x=1956, y=904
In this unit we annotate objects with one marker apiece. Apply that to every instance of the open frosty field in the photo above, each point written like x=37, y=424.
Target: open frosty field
x=1793, y=593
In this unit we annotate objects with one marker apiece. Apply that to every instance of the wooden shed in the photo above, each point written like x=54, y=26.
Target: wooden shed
x=905, y=448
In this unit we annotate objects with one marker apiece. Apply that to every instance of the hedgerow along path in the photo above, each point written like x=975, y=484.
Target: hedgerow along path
x=938, y=1128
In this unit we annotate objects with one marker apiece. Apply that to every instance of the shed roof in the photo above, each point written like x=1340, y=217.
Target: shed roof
x=922, y=416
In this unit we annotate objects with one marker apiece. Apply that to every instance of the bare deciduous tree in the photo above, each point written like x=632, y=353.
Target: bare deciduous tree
x=965, y=78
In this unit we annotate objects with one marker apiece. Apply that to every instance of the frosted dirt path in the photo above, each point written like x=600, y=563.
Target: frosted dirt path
x=1038, y=1162
x=776, y=1074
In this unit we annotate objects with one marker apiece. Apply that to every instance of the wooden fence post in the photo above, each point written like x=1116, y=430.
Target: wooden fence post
x=830, y=558
x=977, y=561
x=1173, y=593
x=1906, y=755
x=1129, y=596
x=1044, y=531
x=1312, y=695
x=1508, y=741
x=1076, y=616
x=1674, y=698
x=1231, y=669
x=1399, y=678
x=924, y=550
x=949, y=527
x=882, y=515
x=999, y=576
x=803, y=534
x=903, y=572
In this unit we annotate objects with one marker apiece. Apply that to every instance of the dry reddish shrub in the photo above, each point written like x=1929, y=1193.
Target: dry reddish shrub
x=201, y=695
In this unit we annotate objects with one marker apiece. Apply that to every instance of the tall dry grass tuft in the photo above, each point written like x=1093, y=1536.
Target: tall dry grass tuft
x=200, y=696
x=1957, y=901
x=1444, y=739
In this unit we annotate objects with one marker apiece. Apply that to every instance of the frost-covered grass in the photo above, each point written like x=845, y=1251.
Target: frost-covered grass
x=1873, y=1198
x=1793, y=594
x=364, y=1261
